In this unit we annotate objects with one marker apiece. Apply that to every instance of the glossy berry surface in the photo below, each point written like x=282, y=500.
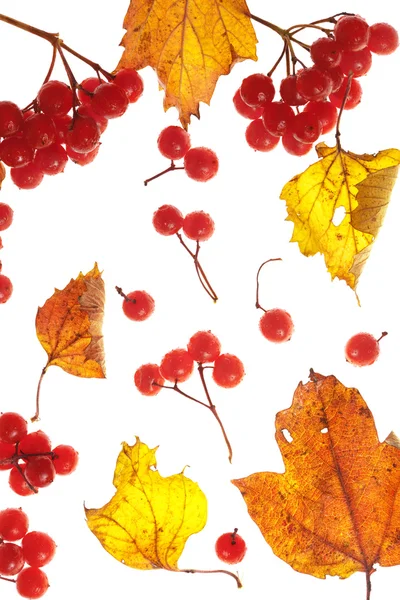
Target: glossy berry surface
x=258, y=138
x=84, y=135
x=14, y=524
x=289, y=92
x=354, y=97
x=351, y=32
x=293, y=146
x=306, y=127
x=13, y=427
x=82, y=158
x=362, y=349
x=325, y=112
x=230, y=548
x=277, y=118
x=65, y=459
x=27, y=177
x=11, y=559
x=325, y=53
x=198, y=226
x=86, y=110
x=39, y=130
x=383, y=39
x=359, y=63
x=314, y=84
x=177, y=365
x=6, y=216
x=36, y=442
x=256, y=90
x=16, y=152
x=146, y=377
x=201, y=164
x=110, y=101
x=11, y=118
x=173, y=142
x=276, y=325
x=18, y=484
x=38, y=548
x=131, y=82
x=244, y=110
x=204, y=347
x=228, y=371
x=32, y=583
x=87, y=88
x=6, y=288
x=51, y=160
x=138, y=306
x=7, y=451
x=55, y=98
x=167, y=220
x=337, y=76
x=40, y=471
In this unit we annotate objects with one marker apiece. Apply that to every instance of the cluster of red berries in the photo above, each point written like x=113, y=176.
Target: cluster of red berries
x=39, y=142
x=321, y=88
x=230, y=547
x=29, y=456
x=37, y=549
x=6, y=218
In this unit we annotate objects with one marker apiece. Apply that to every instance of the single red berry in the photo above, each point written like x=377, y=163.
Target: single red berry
x=230, y=548
x=306, y=127
x=16, y=152
x=198, y=226
x=289, y=92
x=87, y=87
x=204, y=347
x=131, y=82
x=173, y=142
x=337, y=76
x=277, y=117
x=325, y=112
x=351, y=32
x=14, y=524
x=6, y=289
x=293, y=146
x=27, y=177
x=138, y=305
x=257, y=90
x=17, y=482
x=357, y=62
x=314, y=84
x=11, y=559
x=244, y=110
x=13, y=427
x=84, y=135
x=36, y=442
x=32, y=583
x=353, y=98
x=362, y=349
x=40, y=471
x=82, y=158
x=383, y=38
x=177, y=365
x=11, y=118
x=38, y=548
x=276, y=325
x=228, y=371
x=55, y=98
x=109, y=100
x=259, y=138
x=7, y=452
x=167, y=220
x=51, y=160
x=62, y=125
x=325, y=53
x=146, y=377
x=65, y=459
x=86, y=110
x=6, y=216
x=201, y=164
x=39, y=130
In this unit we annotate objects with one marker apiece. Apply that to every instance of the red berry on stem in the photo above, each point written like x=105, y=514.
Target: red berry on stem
x=86, y=110
x=82, y=158
x=18, y=484
x=351, y=32
x=244, y=110
x=337, y=76
x=131, y=82
x=13, y=427
x=204, y=347
x=89, y=85
x=40, y=471
x=289, y=92
x=51, y=160
x=198, y=226
x=230, y=548
x=38, y=548
x=16, y=152
x=6, y=216
x=257, y=90
x=276, y=325
x=325, y=112
x=11, y=118
x=109, y=101
x=177, y=365
x=173, y=142
x=383, y=38
x=167, y=220
x=27, y=177
x=11, y=559
x=138, y=305
x=362, y=349
x=84, y=135
x=36, y=442
x=306, y=127
x=32, y=583
x=145, y=379
x=293, y=146
x=277, y=118
x=201, y=164
x=325, y=53
x=39, y=130
x=6, y=288
x=228, y=371
x=358, y=63
x=353, y=98
x=14, y=524
x=55, y=98
x=259, y=138
x=7, y=451
x=65, y=459
x=314, y=84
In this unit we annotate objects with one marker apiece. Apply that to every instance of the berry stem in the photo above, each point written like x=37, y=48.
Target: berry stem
x=383, y=334
x=346, y=94
x=328, y=20
x=235, y=577
x=199, y=269
x=277, y=63
x=13, y=460
x=177, y=389
x=368, y=582
x=172, y=167
x=258, y=305
x=28, y=483
x=7, y=579
x=36, y=415
x=125, y=297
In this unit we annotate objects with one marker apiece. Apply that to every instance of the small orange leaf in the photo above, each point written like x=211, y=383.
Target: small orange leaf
x=189, y=45
x=336, y=508
x=2, y=173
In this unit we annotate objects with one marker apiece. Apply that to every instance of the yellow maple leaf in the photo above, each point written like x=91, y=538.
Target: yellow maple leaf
x=362, y=185
x=147, y=522
x=189, y=44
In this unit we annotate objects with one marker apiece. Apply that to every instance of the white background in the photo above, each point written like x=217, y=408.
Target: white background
x=103, y=213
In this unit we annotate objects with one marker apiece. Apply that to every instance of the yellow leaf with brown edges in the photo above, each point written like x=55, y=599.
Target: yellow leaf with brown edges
x=69, y=326
x=362, y=185
x=147, y=522
x=2, y=173
x=336, y=508
x=189, y=44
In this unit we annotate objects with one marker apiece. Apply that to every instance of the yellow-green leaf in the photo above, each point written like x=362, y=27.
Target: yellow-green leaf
x=147, y=522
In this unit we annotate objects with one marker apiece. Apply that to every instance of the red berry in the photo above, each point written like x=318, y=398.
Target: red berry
x=353, y=98
x=6, y=216
x=198, y=226
x=11, y=118
x=138, y=305
x=65, y=459
x=289, y=92
x=51, y=160
x=362, y=349
x=36, y=442
x=230, y=548
x=11, y=559
x=82, y=158
x=87, y=88
x=293, y=146
x=131, y=82
x=84, y=135
x=13, y=427
x=306, y=128
x=177, y=365
x=337, y=76
x=259, y=138
x=351, y=32
x=325, y=53
x=7, y=451
x=145, y=378
x=6, y=288
x=167, y=220
x=276, y=325
x=32, y=583
x=27, y=177
x=38, y=548
x=173, y=142
x=383, y=38
x=325, y=112
x=257, y=90
x=15, y=151
x=201, y=164
x=359, y=63
x=86, y=110
x=277, y=117
x=39, y=130
x=18, y=484
x=40, y=471
x=314, y=84
x=109, y=100
x=244, y=110
x=204, y=347
x=63, y=125
x=14, y=524
x=228, y=371
x=55, y=98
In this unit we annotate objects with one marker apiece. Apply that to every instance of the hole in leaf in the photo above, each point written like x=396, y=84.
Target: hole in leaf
x=324, y=430
x=339, y=215
x=287, y=435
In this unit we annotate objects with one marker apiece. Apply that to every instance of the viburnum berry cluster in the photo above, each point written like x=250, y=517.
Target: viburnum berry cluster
x=204, y=348
x=197, y=226
x=311, y=96
x=6, y=218
x=36, y=550
x=29, y=457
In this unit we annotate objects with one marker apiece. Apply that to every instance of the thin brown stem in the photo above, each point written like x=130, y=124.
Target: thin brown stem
x=328, y=20
x=51, y=67
x=235, y=577
x=172, y=167
x=346, y=94
x=7, y=579
x=277, y=63
x=383, y=334
x=258, y=305
x=309, y=26
x=293, y=57
x=28, y=483
x=199, y=269
x=125, y=297
x=368, y=582
x=177, y=389
x=36, y=415
x=267, y=24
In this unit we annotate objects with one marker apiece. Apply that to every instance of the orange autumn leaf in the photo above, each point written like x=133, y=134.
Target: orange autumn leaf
x=336, y=508
x=189, y=45
x=2, y=173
